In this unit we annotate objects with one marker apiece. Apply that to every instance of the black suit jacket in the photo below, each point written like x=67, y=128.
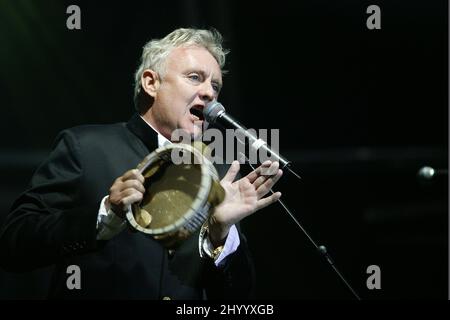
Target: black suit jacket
x=54, y=222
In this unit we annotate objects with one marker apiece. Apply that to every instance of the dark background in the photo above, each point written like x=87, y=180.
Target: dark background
x=359, y=111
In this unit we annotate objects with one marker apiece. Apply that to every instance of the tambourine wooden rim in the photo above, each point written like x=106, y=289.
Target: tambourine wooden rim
x=198, y=211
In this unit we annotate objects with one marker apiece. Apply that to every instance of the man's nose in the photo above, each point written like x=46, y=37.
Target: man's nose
x=207, y=93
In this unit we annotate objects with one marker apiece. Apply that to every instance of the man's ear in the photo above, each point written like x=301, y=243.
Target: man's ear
x=150, y=82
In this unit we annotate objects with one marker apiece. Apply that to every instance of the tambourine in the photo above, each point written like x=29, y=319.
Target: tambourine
x=182, y=187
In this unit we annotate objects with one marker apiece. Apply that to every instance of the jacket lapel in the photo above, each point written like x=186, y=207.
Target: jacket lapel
x=144, y=132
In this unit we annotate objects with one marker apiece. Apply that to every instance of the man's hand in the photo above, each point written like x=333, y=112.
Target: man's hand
x=242, y=198
x=126, y=190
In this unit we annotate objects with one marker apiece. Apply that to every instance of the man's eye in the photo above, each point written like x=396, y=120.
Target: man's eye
x=216, y=87
x=194, y=77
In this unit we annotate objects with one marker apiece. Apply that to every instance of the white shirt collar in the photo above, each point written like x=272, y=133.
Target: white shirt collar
x=162, y=141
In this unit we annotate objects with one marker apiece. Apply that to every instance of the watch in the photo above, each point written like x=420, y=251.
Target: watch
x=206, y=247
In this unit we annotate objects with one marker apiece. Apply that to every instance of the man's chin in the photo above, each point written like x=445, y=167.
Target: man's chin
x=195, y=130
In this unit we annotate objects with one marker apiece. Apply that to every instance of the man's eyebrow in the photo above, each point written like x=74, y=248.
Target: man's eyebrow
x=203, y=74
x=216, y=81
x=219, y=84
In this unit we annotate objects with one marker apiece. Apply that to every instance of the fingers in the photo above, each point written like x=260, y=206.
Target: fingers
x=126, y=190
x=134, y=197
x=265, y=177
x=133, y=184
x=255, y=174
x=131, y=179
x=265, y=187
x=232, y=172
x=133, y=174
x=264, y=202
x=271, y=170
x=266, y=173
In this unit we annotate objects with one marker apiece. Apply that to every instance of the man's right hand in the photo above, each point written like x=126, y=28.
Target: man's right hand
x=126, y=190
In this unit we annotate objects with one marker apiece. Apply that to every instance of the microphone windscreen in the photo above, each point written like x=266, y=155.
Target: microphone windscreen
x=212, y=111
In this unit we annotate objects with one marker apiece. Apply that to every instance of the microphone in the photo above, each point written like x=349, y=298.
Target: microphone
x=214, y=113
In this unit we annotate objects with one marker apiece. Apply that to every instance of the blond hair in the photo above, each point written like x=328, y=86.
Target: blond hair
x=155, y=52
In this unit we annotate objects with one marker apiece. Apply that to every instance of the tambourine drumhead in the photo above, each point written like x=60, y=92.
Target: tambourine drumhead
x=178, y=196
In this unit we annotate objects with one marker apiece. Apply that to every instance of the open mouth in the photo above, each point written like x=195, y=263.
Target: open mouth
x=198, y=112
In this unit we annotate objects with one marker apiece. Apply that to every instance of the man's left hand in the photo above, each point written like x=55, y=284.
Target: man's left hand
x=242, y=198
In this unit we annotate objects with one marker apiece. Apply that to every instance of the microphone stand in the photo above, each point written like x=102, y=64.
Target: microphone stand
x=288, y=166
x=321, y=249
